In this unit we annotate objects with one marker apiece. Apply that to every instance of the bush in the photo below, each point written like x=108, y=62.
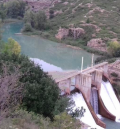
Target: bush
x=27, y=28
x=15, y=8
x=37, y=20
x=103, y=58
x=114, y=74
x=19, y=18
x=11, y=47
x=65, y=121
x=114, y=48
x=21, y=119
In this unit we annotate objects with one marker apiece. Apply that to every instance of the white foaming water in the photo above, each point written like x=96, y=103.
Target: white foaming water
x=100, y=117
x=87, y=118
x=110, y=100
x=45, y=66
x=94, y=100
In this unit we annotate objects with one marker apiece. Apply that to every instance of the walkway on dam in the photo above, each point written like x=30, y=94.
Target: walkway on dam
x=61, y=76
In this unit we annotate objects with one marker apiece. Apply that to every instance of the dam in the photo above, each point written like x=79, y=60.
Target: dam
x=90, y=88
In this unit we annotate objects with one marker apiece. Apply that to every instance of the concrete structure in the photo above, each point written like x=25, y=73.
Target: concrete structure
x=83, y=82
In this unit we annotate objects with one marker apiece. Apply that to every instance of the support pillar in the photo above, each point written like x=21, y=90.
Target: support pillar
x=65, y=85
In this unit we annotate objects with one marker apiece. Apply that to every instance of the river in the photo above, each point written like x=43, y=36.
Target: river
x=54, y=55
x=51, y=55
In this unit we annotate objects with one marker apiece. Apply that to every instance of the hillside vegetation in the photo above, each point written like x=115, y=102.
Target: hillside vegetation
x=105, y=15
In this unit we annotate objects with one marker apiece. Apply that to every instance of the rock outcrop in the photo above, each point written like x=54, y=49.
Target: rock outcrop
x=62, y=33
x=97, y=44
x=76, y=32
x=97, y=9
x=71, y=32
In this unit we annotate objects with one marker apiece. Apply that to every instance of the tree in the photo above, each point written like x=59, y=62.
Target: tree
x=65, y=121
x=10, y=88
x=15, y=8
x=0, y=33
x=40, y=20
x=51, y=13
x=113, y=47
x=12, y=47
x=3, y=15
x=37, y=20
x=40, y=92
x=3, y=12
x=27, y=28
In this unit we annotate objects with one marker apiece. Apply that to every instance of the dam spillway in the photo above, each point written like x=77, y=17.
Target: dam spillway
x=80, y=102
x=94, y=99
x=110, y=100
x=90, y=85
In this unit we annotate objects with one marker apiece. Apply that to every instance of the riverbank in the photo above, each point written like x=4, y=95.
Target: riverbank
x=69, y=42
x=103, y=56
x=11, y=20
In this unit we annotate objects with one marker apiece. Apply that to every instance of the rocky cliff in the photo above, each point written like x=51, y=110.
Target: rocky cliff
x=71, y=32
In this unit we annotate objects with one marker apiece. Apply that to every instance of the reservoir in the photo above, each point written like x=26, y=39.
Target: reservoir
x=55, y=54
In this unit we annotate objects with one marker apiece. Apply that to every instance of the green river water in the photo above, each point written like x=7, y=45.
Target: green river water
x=50, y=52
x=53, y=56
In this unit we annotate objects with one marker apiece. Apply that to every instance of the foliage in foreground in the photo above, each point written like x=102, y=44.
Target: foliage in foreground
x=11, y=47
x=23, y=120
x=40, y=92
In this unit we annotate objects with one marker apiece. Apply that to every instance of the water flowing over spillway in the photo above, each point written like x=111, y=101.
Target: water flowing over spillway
x=94, y=100
x=110, y=100
x=87, y=118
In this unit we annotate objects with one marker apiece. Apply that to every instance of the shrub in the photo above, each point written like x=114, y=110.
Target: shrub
x=65, y=121
x=11, y=47
x=27, y=28
x=114, y=74
x=37, y=20
x=15, y=8
x=114, y=48
x=21, y=119
x=19, y=18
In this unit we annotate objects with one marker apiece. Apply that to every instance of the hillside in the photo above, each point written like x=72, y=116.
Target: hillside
x=99, y=19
